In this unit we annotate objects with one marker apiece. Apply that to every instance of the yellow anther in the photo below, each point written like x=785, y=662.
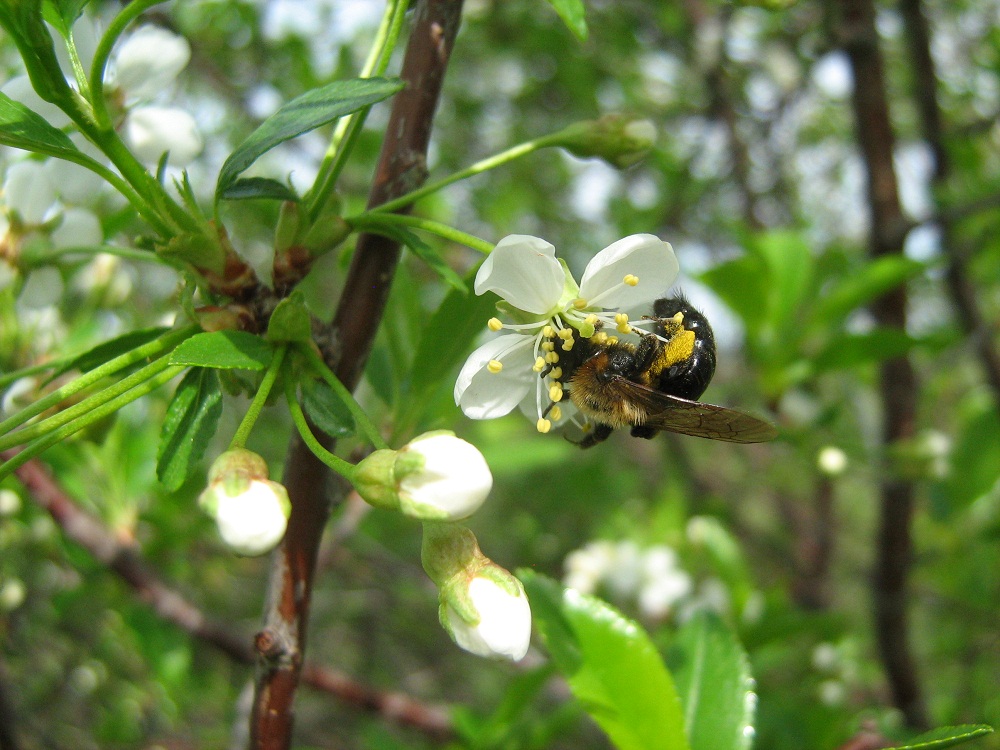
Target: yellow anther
x=494, y=366
x=548, y=332
x=623, y=328
x=591, y=320
x=551, y=358
x=494, y=324
x=539, y=365
x=621, y=318
x=548, y=346
x=565, y=333
x=630, y=280
x=679, y=317
x=556, y=373
x=599, y=338
x=556, y=393
x=568, y=345
x=543, y=425
x=579, y=303
x=556, y=413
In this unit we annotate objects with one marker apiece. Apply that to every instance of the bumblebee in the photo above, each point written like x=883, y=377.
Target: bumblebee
x=653, y=385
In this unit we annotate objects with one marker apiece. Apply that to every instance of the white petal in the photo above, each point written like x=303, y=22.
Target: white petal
x=642, y=255
x=28, y=191
x=524, y=271
x=152, y=131
x=149, y=60
x=486, y=395
x=79, y=228
x=504, y=628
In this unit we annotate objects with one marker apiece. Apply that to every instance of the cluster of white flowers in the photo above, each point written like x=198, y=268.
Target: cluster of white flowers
x=548, y=311
x=652, y=576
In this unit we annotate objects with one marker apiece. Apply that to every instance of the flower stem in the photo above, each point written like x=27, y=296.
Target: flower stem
x=492, y=162
x=96, y=415
x=359, y=414
x=349, y=128
x=339, y=465
x=373, y=220
x=86, y=406
x=260, y=398
x=153, y=348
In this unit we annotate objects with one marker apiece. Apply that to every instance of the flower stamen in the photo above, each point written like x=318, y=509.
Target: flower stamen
x=495, y=324
x=494, y=366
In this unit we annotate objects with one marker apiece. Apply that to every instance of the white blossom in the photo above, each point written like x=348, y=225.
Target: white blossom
x=550, y=311
x=149, y=60
x=154, y=131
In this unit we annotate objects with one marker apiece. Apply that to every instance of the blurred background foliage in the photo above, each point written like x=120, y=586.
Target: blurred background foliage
x=757, y=182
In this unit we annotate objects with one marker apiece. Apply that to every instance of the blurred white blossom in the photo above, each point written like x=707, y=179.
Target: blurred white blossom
x=652, y=576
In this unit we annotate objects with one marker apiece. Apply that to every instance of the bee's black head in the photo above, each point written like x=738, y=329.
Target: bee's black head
x=668, y=307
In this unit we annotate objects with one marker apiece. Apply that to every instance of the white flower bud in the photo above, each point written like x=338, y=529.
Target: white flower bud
x=832, y=461
x=435, y=477
x=153, y=131
x=251, y=511
x=495, y=620
x=452, y=482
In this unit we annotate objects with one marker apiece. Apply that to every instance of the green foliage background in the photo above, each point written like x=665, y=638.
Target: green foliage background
x=773, y=248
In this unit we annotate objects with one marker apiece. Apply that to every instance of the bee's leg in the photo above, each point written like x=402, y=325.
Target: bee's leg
x=646, y=352
x=599, y=435
x=642, y=431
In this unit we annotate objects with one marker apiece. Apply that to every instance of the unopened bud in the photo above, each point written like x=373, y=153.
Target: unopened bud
x=620, y=140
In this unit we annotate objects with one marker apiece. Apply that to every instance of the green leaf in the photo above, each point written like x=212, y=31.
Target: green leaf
x=851, y=349
x=447, y=339
x=742, y=284
x=713, y=678
x=108, y=350
x=23, y=128
x=290, y=321
x=863, y=286
x=946, y=737
x=325, y=409
x=224, y=350
x=790, y=272
x=975, y=455
x=258, y=187
x=425, y=252
x=304, y=113
x=62, y=14
x=188, y=426
x=611, y=666
x=573, y=13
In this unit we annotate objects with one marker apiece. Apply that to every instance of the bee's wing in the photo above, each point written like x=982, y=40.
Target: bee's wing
x=695, y=418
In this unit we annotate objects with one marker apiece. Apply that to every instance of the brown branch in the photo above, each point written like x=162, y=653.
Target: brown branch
x=125, y=560
x=401, y=167
x=960, y=286
x=898, y=382
x=8, y=734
